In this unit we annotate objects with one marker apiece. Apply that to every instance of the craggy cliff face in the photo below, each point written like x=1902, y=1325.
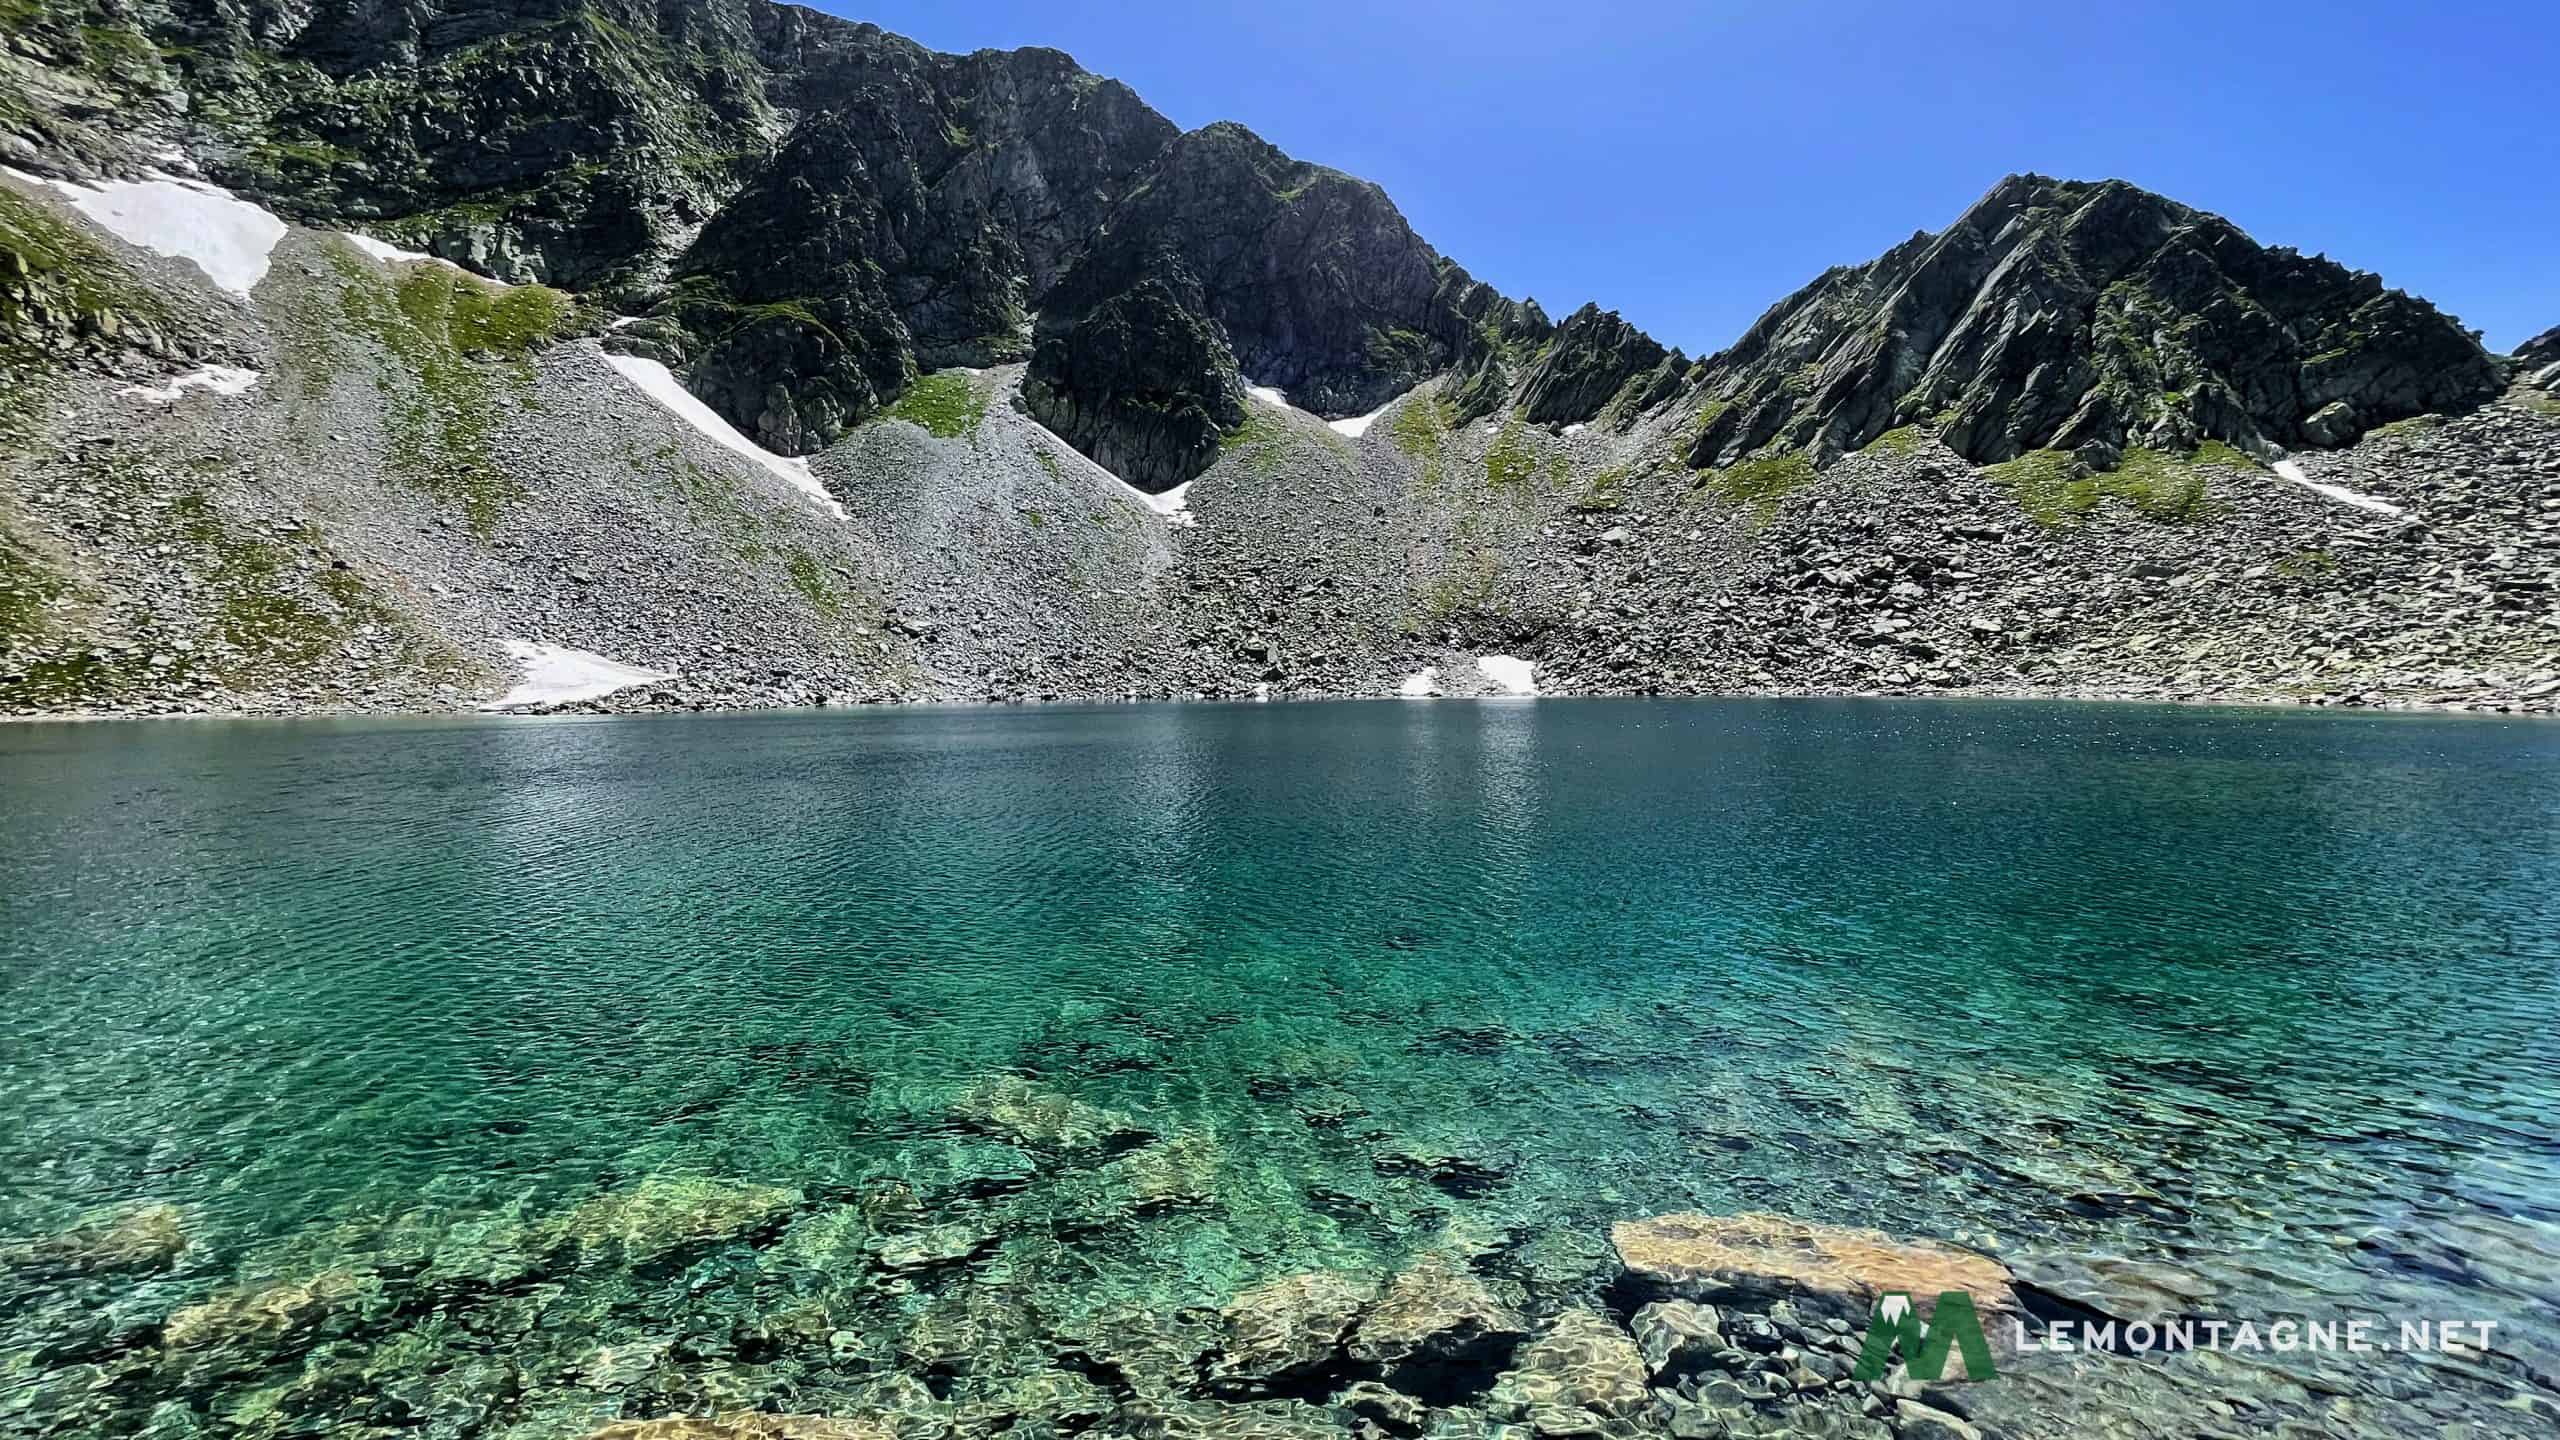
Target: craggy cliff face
x=2075, y=317
x=810, y=213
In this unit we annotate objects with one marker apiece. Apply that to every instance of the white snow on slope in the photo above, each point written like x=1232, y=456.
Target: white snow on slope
x=558, y=675
x=1422, y=684
x=1575, y=429
x=1519, y=677
x=1174, y=504
x=1358, y=425
x=391, y=254
x=660, y=384
x=227, y=237
x=1268, y=395
x=2340, y=493
x=220, y=379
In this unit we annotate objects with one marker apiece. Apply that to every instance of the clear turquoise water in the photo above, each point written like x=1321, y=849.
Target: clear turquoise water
x=2265, y=1001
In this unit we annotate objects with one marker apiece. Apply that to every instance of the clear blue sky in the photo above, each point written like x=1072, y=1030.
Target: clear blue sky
x=1689, y=162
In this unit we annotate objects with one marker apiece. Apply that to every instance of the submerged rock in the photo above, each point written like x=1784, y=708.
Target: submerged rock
x=1259, y=1420
x=752, y=1427
x=135, y=1237
x=933, y=1247
x=1761, y=1257
x=1176, y=1174
x=1286, y=1335
x=1145, y=1350
x=1679, y=1338
x=1438, y=1332
x=666, y=1217
x=1449, y=1170
x=1022, y=1113
x=1583, y=1377
x=249, y=1328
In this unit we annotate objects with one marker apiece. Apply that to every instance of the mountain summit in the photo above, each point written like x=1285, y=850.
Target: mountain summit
x=2060, y=315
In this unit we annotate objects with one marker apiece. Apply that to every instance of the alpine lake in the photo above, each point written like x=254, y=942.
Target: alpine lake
x=1266, y=1071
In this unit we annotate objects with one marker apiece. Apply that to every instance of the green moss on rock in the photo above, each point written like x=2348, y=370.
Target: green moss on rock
x=457, y=338
x=947, y=404
x=1901, y=440
x=1761, y=481
x=1512, y=458
x=2054, y=488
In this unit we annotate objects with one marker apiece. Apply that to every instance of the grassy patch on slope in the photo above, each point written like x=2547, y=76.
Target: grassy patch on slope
x=1761, y=481
x=1901, y=440
x=2053, y=488
x=458, y=337
x=947, y=404
x=1512, y=458
x=27, y=587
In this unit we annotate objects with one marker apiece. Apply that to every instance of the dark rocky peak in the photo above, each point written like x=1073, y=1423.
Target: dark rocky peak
x=2538, y=360
x=2085, y=317
x=918, y=220
x=1308, y=279
x=1323, y=289
x=1129, y=368
x=1589, y=360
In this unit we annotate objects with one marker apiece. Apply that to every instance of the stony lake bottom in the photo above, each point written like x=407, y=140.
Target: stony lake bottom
x=512, y=1077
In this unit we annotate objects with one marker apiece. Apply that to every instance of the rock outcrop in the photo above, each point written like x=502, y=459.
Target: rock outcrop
x=1229, y=258
x=2539, y=358
x=2069, y=316
x=815, y=211
x=1764, y=1257
x=1591, y=358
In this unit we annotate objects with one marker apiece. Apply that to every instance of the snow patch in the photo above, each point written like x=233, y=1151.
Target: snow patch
x=1508, y=673
x=227, y=237
x=1268, y=395
x=2340, y=493
x=558, y=675
x=220, y=379
x=1358, y=425
x=387, y=252
x=622, y=322
x=1574, y=429
x=660, y=384
x=1174, y=504
x=1422, y=684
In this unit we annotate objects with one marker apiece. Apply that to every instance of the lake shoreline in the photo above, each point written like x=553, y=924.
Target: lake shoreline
x=2525, y=704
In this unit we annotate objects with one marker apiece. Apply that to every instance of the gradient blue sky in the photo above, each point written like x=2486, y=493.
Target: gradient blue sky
x=1691, y=163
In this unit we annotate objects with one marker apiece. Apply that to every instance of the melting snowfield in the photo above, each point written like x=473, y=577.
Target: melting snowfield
x=2340, y=493
x=220, y=379
x=558, y=675
x=227, y=237
x=660, y=384
x=390, y=254
x=1508, y=674
x=1358, y=425
x=1174, y=504
x=1422, y=684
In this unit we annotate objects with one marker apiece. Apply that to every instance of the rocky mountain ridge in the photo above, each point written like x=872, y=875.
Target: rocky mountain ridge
x=813, y=212
x=2092, y=319
x=969, y=377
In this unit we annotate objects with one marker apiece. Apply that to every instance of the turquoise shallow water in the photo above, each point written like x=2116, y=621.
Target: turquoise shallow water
x=2264, y=1001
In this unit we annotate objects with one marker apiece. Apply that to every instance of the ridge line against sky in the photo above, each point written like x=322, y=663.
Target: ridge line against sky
x=1691, y=164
